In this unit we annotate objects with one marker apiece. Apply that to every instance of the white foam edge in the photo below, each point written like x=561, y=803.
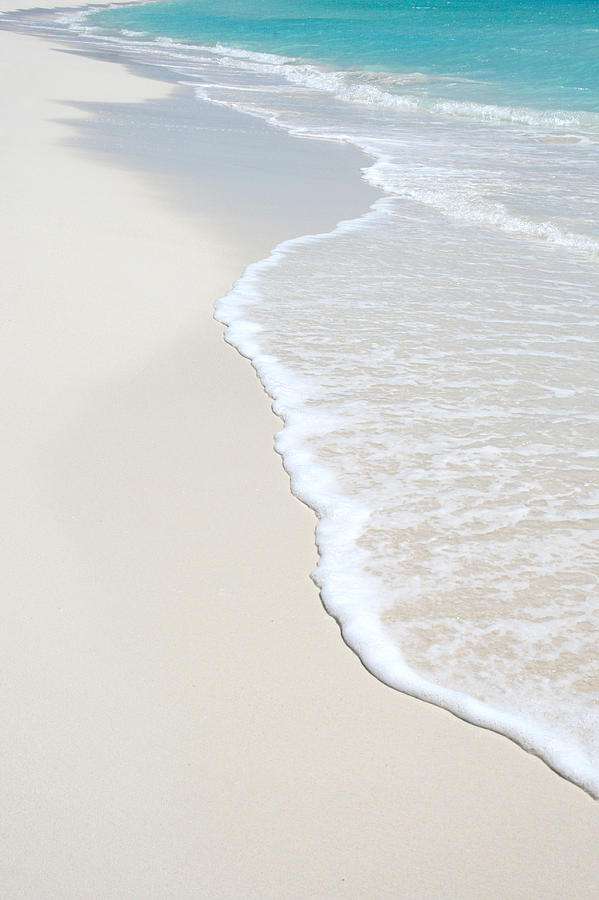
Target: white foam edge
x=475, y=210
x=340, y=575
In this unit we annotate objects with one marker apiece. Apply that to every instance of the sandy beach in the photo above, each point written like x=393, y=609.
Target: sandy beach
x=180, y=716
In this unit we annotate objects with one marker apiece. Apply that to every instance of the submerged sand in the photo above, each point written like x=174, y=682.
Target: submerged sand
x=180, y=716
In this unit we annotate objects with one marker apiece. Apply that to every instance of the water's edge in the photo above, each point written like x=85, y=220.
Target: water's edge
x=361, y=630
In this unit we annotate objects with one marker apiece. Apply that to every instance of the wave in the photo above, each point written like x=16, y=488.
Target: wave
x=363, y=87
x=468, y=206
x=519, y=115
x=372, y=89
x=342, y=572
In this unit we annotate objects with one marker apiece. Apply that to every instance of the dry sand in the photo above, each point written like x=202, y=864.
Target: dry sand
x=180, y=718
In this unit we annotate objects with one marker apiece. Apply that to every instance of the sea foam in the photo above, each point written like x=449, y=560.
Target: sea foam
x=415, y=522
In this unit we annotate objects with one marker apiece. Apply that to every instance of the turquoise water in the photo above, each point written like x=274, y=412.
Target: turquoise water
x=544, y=54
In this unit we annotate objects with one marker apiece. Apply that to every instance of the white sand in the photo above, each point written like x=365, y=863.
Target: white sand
x=180, y=717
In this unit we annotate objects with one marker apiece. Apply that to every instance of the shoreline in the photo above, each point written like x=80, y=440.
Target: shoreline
x=183, y=730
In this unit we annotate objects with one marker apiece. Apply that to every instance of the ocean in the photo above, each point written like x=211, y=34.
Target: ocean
x=435, y=360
